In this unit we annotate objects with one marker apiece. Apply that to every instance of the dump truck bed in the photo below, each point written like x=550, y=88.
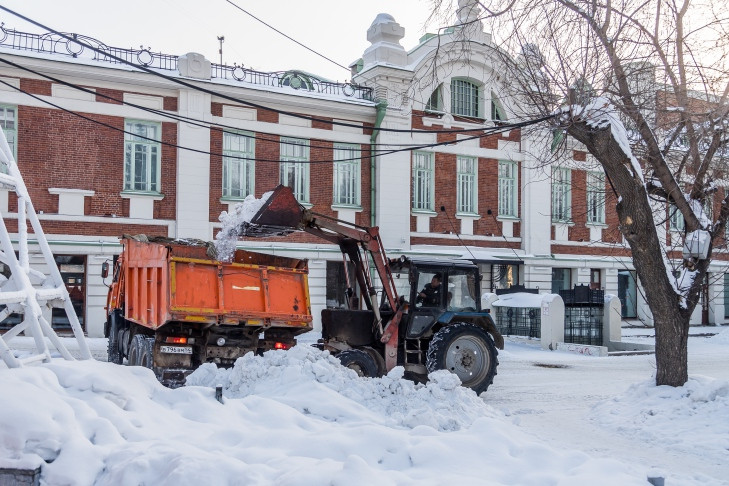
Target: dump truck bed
x=167, y=281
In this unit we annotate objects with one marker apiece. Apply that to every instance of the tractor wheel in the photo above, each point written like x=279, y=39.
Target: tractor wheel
x=114, y=353
x=360, y=361
x=378, y=358
x=466, y=350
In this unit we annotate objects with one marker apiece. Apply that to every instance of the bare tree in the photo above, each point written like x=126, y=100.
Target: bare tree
x=644, y=86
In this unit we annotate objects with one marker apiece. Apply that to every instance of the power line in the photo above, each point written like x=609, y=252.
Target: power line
x=221, y=95
x=288, y=37
x=206, y=152
x=235, y=130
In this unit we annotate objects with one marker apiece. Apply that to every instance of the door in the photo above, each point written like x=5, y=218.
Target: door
x=628, y=294
x=73, y=273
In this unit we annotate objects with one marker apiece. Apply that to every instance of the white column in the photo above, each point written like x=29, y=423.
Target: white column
x=536, y=198
x=393, y=182
x=193, y=168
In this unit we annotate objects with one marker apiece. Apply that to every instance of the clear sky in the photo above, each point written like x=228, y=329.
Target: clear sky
x=335, y=28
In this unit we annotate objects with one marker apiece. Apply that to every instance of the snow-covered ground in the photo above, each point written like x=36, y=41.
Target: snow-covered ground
x=298, y=418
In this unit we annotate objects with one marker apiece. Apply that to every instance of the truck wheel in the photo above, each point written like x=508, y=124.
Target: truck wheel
x=359, y=361
x=466, y=350
x=114, y=354
x=137, y=350
x=146, y=358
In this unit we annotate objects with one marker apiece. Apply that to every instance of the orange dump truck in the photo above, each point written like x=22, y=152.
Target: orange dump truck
x=172, y=307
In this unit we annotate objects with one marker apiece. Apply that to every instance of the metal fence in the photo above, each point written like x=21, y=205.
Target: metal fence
x=519, y=321
x=84, y=47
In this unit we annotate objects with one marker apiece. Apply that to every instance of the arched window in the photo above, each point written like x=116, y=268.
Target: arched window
x=435, y=102
x=466, y=98
x=497, y=110
x=297, y=80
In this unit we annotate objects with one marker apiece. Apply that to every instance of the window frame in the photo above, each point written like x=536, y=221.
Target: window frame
x=354, y=165
x=435, y=101
x=299, y=164
x=419, y=185
x=14, y=131
x=243, y=158
x=562, y=194
x=595, y=197
x=458, y=105
x=676, y=222
x=512, y=182
x=154, y=183
x=467, y=179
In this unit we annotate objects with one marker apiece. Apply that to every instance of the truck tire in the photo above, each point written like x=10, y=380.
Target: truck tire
x=146, y=358
x=114, y=353
x=466, y=350
x=359, y=361
x=140, y=352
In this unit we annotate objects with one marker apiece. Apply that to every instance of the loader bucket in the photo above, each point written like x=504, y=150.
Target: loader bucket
x=280, y=215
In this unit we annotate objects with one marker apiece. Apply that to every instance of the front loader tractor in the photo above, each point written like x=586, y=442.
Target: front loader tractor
x=428, y=316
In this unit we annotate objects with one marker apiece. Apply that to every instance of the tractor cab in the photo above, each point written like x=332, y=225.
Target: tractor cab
x=437, y=290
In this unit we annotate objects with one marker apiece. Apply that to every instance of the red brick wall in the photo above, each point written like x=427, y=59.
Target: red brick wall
x=59, y=149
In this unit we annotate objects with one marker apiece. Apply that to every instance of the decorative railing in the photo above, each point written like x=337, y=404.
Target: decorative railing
x=57, y=44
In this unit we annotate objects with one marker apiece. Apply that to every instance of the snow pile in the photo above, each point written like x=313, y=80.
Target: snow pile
x=677, y=417
x=227, y=237
x=302, y=422
x=303, y=375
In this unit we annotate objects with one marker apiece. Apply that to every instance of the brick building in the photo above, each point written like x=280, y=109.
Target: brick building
x=107, y=149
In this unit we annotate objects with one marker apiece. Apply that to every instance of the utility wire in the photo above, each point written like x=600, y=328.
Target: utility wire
x=224, y=96
x=232, y=130
x=288, y=37
x=170, y=144
x=213, y=126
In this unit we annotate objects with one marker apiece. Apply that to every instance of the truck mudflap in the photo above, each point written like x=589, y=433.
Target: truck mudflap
x=172, y=377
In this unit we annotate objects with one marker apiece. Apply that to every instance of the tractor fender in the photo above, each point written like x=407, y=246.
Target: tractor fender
x=481, y=319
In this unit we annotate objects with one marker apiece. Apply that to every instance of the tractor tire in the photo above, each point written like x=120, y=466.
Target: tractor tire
x=466, y=350
x=360, y=361
x=378, y=358
x=114, y=353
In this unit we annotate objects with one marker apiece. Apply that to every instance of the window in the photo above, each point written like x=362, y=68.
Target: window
x=142, y=156
x=507, y=189
x=423, y=184
x=9, y=125
x=346, y=175
x=238, y=165
x=465, y=99
x=561, y=279
x=595, y=278
x=497, y=111
x=561, y=194
x=675, y=218
x=294, y=168
x=504, y=276
x=595, y=197
x=435, y=102
x=466, y=180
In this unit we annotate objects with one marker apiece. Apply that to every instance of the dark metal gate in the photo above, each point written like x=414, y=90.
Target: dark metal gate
x=583, y=315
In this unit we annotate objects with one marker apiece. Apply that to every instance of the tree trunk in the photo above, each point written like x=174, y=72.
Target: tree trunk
x=638, y=227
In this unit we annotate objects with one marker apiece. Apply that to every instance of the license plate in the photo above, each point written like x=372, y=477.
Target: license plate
x=176, y=349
